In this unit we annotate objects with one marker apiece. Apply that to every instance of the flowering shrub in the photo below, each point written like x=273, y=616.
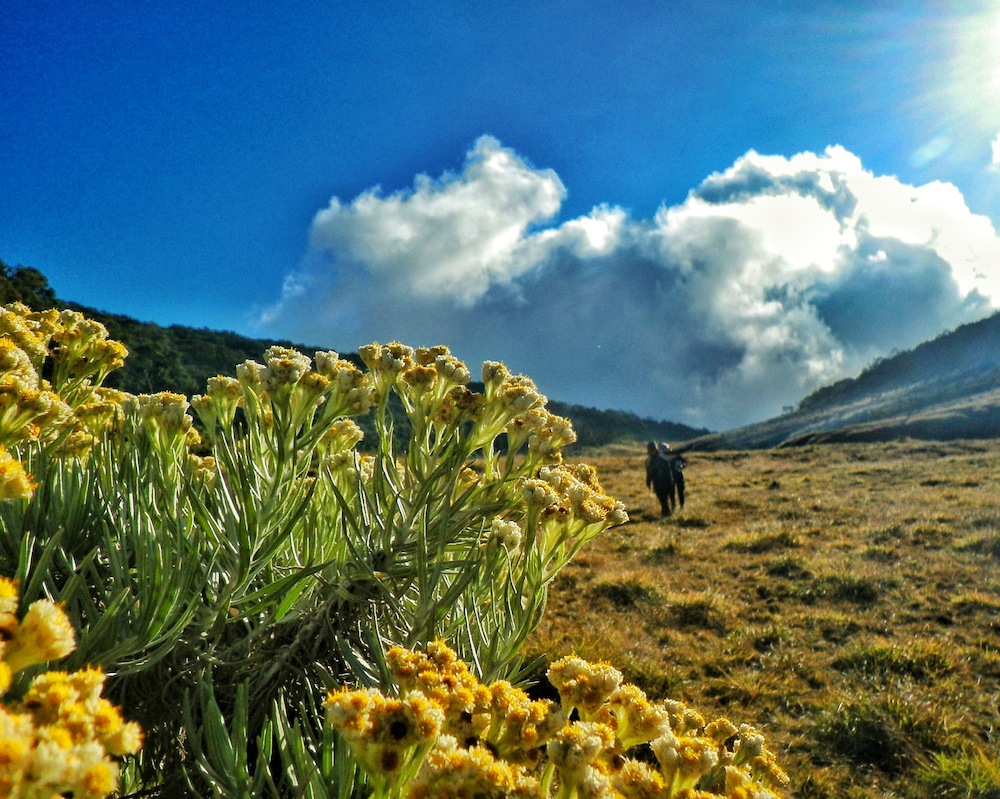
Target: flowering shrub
x=61, y=736
x=231, y=556
x=444, y=734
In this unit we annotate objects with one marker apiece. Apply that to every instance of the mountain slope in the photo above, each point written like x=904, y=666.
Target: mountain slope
x=945, y=388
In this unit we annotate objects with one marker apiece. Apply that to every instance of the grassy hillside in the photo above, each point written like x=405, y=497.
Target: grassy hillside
x=944, y=389
x=844, y=599
x=961, y=355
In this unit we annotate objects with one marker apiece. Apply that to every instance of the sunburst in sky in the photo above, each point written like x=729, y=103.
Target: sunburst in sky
x=971, y=77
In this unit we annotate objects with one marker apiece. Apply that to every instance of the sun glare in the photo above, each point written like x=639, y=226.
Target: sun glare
x=974, y=74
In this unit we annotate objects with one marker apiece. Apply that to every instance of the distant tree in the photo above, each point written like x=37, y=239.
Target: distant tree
x=25, y=284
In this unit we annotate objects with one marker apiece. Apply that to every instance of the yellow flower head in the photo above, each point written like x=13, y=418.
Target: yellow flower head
x=205, y=470
x=582, y=685
x=16, y=738
x=114, y=397
x=126, y=740
x=60, y=744
x=44, y=634
x=110, y=354
x=634, y=718
x=453, y=772
x=538, y=493
x=386, y=734
x=8, y=597
x=88, y=682
x=58, y=770
x=751, y=755
x=18, y=328
x=224, y=389
x=99, y=779
x=405, y=722
x=106, y=717
x=555, y=433
x=386, y=362
x=458, y=405
x=494, y=374
x=328, y=361
x=8, y=625
x=450, y=369
x=437, y=658
x=53, y=414
x=438, y=674
x=578, y=745
x=342, y=435
x=251, y=375
x=15, y=482
x=429, y=355
x=637, y=780
x=523, y=425
x=217, y=406
x=519, y=394
x=518, y=726
x=15, y=361
x=76, y=718
x=506, y=533
x=721, y=730
x=284, y=367
x=684, y=759
x=73, y=326
x=98, y=416
x=508, y=700
x=348, y=712
x=351, y=389
x=167, y=410
x=420, y=379
x=77, y=445
x=682, y=718
x=48, y=693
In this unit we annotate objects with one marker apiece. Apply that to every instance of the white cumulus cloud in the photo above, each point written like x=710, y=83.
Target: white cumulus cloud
x=454, y=236
x=775, y=276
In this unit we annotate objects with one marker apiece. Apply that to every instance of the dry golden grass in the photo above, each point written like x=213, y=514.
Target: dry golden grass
x=845, y=599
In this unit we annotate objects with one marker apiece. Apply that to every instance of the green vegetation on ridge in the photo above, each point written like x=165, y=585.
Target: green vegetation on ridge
x=182, y=359
x=944, y=389
x=968, y=350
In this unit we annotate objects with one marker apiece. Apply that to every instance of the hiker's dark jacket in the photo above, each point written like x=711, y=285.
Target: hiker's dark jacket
x=665, y=475
x=660, y=477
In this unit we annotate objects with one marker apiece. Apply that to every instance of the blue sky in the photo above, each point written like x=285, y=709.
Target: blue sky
x=693, y=210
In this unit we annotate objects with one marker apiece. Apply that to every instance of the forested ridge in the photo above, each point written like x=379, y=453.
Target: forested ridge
x=182, y=359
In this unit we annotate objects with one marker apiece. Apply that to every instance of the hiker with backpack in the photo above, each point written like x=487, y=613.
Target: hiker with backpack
x=665, y=475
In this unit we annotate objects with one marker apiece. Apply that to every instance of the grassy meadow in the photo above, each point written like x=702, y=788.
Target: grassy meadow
x=844, y=599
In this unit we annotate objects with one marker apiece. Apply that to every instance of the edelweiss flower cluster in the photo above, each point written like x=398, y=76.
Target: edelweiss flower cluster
x=68, y=411
x=432, y=385
x=567, y=507
x=447, y=735
x=286, y=396
x=60, y=738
